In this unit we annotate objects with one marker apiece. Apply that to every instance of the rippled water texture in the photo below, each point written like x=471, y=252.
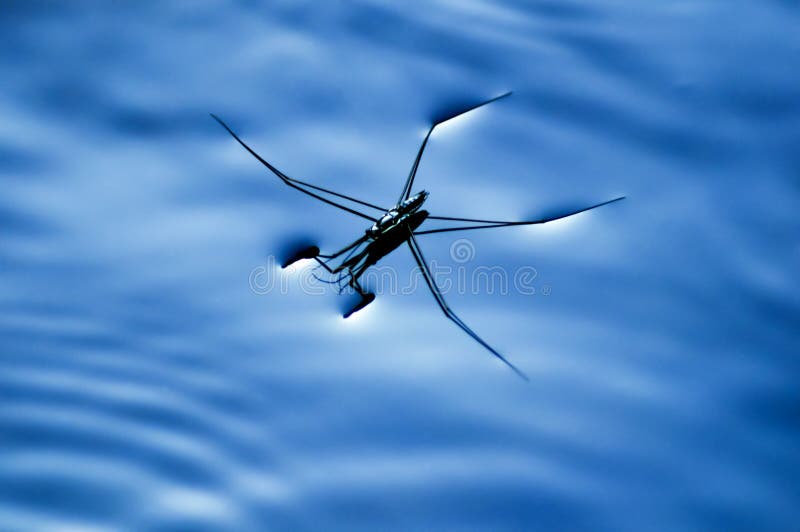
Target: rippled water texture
x=145, y=386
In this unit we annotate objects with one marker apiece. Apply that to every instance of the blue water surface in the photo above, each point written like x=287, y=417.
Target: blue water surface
x=146, y=385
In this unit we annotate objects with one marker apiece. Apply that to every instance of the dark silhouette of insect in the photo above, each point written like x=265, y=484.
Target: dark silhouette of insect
x=396, y=226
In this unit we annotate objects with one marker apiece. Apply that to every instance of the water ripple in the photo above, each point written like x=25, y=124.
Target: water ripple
x=144, y=386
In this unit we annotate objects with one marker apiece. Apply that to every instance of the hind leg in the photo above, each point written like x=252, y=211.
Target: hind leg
x=366, y=297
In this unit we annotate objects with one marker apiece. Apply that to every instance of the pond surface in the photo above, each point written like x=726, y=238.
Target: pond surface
x=146, y=382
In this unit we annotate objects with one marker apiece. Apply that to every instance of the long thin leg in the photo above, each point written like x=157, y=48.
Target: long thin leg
x=356, y=285
x=322, y=263
x=345, y=249
x=410, y=180
x=296, y=184
x=494, y=223
x=336, y=281
x=426, y=273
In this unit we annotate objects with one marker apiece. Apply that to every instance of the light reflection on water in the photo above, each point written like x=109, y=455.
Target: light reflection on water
x=144, y=385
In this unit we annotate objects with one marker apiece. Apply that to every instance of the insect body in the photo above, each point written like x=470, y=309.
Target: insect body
x=397, y=225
